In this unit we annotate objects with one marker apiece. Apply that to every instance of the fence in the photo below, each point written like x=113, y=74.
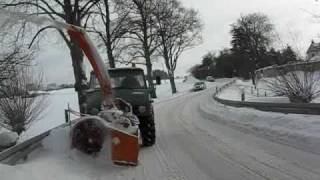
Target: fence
x=220, y=89
x=296, y=108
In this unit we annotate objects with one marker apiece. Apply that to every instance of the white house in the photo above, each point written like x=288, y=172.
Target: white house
x=313, y=52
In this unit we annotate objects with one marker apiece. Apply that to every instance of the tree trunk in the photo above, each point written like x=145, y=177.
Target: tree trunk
x=172, y=82
x=253, y=76
x=149, y=76
x=72, y=16
x=112, y=63
x=79, y=75
x=108, y=43
x=147, y=56
x=169, y=68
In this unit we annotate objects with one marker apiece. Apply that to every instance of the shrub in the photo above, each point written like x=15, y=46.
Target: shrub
x=18, y=108
x=298, y=86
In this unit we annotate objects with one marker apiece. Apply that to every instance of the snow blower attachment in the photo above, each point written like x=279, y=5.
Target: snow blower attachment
x=115, y=122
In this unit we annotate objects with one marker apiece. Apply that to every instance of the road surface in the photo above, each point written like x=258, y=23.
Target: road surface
x=192, y=145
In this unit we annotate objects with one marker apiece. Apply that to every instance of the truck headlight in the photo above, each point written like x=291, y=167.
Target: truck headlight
x=142, y=109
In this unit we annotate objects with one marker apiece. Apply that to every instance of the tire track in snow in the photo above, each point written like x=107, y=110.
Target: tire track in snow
x=209, y=163
x=219, y=145
x=193, y=141
x=274, y=162
x=168, y=147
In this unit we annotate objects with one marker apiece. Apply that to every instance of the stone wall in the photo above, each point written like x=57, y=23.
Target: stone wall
x=272, y=71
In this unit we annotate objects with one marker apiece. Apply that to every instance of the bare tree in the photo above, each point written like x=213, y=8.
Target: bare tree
x=143, y=35
x=298, y=86
x=75, y=12
x=178, y=30
x=17, y=107
x=14, y=51
x=114, y=26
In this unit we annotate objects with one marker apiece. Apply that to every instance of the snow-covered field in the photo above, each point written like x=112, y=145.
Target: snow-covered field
x=53, y=116
x=197, y=138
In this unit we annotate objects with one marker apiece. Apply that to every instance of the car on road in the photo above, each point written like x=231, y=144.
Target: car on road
x=210, y=79
x=199, y=86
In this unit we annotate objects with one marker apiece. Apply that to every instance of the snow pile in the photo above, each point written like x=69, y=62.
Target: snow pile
x=57, y=145
x=57, y=161
x=231, y=93
x=7, y=138
x=302, y=131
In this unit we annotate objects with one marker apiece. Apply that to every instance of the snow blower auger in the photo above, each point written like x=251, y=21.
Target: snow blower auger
x=115, y=122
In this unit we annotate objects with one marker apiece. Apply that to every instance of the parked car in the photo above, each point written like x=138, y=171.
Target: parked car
x=210, y=79
x=199, y=86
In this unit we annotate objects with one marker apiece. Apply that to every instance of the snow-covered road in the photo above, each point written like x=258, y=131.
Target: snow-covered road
x=191, y=144
x=195, y=146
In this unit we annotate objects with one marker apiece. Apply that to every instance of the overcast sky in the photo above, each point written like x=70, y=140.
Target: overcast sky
x=293, y=21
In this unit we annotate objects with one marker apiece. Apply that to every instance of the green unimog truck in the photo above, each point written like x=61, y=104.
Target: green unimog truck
x=130, y=85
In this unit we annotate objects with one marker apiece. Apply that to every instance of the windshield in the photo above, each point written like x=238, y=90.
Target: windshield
x=122, y=80
x=198, y=83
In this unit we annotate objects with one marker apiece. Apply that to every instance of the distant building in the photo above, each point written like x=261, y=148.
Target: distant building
x=313, y=52
x=311, y=64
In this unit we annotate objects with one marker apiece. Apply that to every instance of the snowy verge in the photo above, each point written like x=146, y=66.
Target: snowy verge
x=53, y=116
x=260, y=94
x=300, y=131
x=57, y=161
x=230, y=96
x=7, y=138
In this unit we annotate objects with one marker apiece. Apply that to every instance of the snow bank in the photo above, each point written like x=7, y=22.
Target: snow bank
x=260, y=94
x=301, y=131
x=57, y=161
x=7, y=138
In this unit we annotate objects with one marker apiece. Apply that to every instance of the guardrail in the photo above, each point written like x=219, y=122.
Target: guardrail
x=220, y=89
x=13, y=154
x=296, y=108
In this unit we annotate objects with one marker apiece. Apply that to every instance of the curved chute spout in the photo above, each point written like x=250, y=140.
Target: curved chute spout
x=81, y=38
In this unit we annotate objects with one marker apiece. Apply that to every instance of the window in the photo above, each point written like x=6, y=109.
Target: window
x=122, y=80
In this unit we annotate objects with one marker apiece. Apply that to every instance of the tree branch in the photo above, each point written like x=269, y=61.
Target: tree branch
x=35, y=36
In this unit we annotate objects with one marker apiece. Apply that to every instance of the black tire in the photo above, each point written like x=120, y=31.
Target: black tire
x=147, y=131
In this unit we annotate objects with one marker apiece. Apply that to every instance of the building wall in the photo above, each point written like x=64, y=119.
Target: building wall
x=272, y=71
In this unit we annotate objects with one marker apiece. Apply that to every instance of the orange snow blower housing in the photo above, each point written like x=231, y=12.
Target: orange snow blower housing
x=115, y=122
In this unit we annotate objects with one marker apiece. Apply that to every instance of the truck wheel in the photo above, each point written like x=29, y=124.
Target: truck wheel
x=147, y=130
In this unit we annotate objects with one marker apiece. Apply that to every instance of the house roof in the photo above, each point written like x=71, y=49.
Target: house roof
x=314, y=47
